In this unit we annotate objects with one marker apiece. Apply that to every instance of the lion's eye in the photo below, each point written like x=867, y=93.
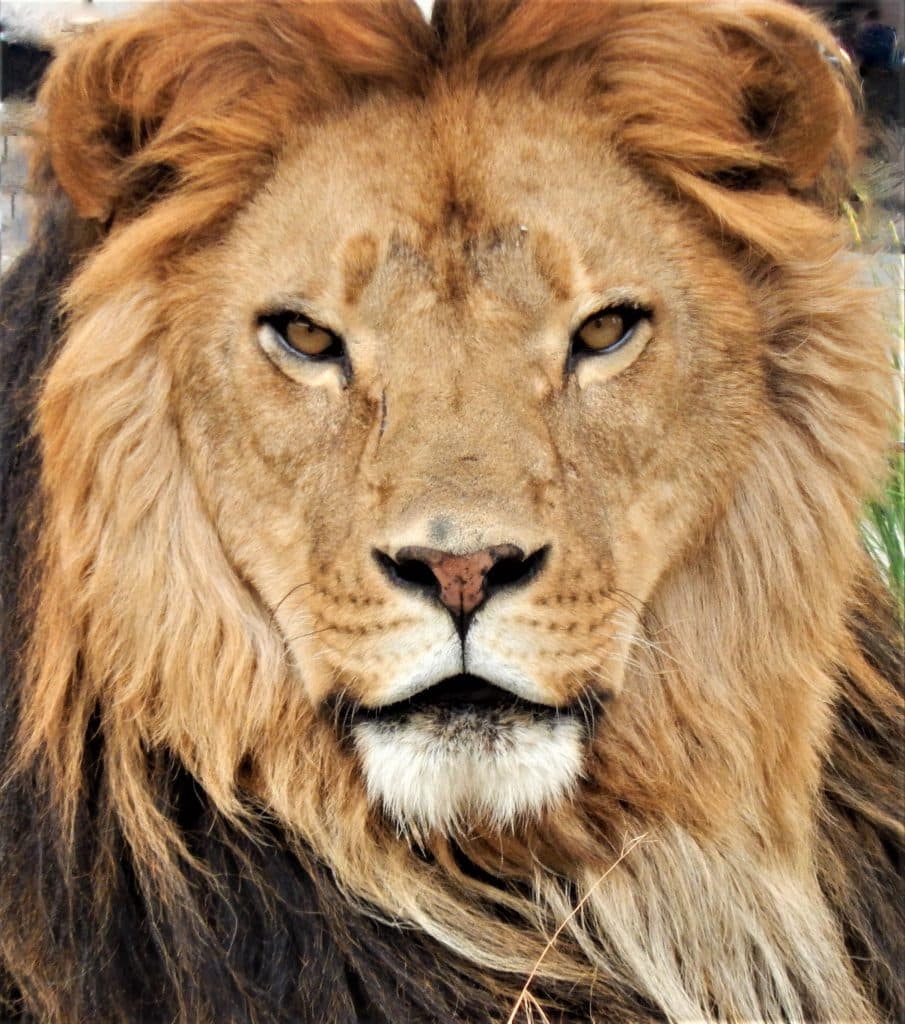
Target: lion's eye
x=305, y=338
x=607, y=331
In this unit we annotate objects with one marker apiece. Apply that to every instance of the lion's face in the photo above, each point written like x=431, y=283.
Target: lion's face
x=453, y=484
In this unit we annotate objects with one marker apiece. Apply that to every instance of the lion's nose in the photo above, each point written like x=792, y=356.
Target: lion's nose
x=462, y=583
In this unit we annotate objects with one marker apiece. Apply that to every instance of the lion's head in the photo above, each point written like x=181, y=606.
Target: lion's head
x=457, y=444
x=457, y=392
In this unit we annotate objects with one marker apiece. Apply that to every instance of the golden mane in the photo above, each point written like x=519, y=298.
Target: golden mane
x=694, y=901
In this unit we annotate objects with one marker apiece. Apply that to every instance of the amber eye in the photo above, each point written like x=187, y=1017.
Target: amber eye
x=607, y=331
x=305, y=338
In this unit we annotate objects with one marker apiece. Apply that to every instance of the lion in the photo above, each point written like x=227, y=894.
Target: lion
x=433, y=467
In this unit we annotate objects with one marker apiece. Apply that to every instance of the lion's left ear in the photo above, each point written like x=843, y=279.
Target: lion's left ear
x=794, y=87
x=747, y=95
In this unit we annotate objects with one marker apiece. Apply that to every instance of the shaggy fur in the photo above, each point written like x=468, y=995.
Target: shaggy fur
x=187, y=831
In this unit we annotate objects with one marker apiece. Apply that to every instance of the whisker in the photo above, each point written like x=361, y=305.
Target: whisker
x=305, y=636
x=286, y=596
x=644, y=609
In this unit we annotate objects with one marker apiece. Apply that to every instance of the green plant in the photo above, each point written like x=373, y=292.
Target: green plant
x=884, y=528
x=884, y=525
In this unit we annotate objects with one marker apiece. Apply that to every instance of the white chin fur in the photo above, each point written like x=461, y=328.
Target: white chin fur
x=429, y=775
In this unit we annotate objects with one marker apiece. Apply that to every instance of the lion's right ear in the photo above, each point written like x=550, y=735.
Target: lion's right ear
x=202, y=95
x=104, y=101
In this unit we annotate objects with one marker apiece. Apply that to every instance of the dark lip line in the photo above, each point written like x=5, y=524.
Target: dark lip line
x=458, y=694
x=480, y=695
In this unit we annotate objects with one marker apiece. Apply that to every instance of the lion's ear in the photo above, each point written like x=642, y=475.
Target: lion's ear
x=794, y=88
x=105, y=100
x=201, y=96
x=746, y=94
x=738, y=105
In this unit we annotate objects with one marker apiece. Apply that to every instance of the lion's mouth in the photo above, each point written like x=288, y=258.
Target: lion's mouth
x=461, y=694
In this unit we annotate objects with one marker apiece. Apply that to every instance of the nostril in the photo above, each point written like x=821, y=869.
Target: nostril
x=411, y=571
x=506, y=572
x=515, y=570
x=407, y=570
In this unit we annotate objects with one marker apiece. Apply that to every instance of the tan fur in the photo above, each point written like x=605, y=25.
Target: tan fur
x=209, y=520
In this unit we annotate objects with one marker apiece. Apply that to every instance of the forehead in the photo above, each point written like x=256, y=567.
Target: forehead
x=453, y=190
